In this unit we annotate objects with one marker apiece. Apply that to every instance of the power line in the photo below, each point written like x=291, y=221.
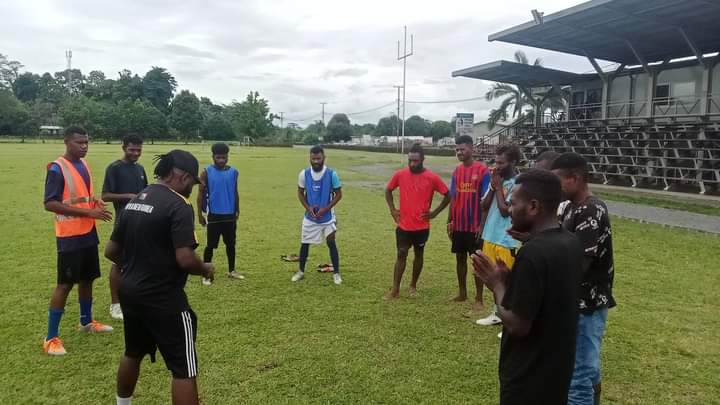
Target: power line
x=462, y=100
x=370, y=110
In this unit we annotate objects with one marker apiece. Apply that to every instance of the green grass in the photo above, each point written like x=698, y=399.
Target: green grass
x=673, y=203
x=266, y=340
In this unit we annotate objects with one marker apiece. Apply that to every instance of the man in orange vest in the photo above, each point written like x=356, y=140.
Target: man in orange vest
x=69, y=195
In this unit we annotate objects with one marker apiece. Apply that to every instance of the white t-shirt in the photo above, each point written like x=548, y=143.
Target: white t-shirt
x=317, y=176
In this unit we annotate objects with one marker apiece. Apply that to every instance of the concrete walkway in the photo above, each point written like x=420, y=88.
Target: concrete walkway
x=664, y=216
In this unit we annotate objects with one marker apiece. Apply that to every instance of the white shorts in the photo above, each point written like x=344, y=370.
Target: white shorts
x=314, y=233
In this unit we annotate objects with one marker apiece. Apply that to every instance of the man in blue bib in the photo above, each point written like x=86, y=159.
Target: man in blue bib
x=319, y=190
x=218, y=196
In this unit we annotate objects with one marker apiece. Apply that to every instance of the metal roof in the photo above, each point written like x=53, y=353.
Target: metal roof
x=523, y=75
x=657, y=30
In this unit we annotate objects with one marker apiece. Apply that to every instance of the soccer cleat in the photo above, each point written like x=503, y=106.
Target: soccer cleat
x=206, y=281
x=95, y=327
x=337, y=279
x=116, y=311
x=54, y=347
x=490, y=320
x=234, y=274
x=298, y=276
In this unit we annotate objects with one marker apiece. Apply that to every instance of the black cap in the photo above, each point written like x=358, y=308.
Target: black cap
x=185, y=161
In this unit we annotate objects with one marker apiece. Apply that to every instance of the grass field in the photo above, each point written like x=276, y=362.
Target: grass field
x=266, y=340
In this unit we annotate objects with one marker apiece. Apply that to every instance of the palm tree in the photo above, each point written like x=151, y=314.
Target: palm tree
x=518, y=98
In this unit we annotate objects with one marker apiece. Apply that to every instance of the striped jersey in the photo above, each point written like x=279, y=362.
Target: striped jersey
x=467, y=187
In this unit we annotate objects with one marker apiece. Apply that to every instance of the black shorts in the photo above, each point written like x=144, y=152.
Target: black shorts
x=79, y=266
x=465, y=242
x=173, y=334
x=416, y=239
x=221, y=225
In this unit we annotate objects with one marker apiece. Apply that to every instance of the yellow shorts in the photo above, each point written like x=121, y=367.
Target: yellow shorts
x=497, y=252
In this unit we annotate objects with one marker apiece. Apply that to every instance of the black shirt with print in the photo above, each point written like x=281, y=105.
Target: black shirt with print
x=590, y=222
x=150, y=228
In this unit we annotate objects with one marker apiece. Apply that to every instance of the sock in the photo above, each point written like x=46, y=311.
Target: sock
x=123, y=401
x=304, y=251
x=85, y=311
x=207, y=255
x=334, y=256
x=54, y=316
x=230, y=250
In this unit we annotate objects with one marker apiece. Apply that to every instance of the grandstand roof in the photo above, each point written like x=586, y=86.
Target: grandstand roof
x=521, y=74
x=657, y=30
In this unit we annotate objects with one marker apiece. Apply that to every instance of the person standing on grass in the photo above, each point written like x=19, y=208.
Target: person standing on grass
x=537, y=299
x=417, y=187
x=69, y=195
x=124, y=178
x=469, y=183
x=218, y=191
x=587, y=217
x=154, y=242
x=319, y=191
x=498, y=244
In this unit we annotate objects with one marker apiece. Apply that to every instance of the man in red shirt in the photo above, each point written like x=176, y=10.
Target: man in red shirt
x=469, y=183
x=417, y=186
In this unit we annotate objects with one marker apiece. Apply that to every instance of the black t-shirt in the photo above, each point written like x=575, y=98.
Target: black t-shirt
x=151, y=227
x=122, y=178
x=543, y=288
x=590, y=222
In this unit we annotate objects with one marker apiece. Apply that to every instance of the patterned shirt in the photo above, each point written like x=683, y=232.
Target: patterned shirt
x=467, y=187
x=590, y=222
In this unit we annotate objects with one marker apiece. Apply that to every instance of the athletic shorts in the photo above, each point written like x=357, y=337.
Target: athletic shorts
x=79, y=266
x=173, y=334
x=497, y=252
x=465, y=242
x=416, y=239
x=314, y=233
x=221, y=225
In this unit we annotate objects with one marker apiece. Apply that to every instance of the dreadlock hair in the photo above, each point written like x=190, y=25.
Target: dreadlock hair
x=163, y=165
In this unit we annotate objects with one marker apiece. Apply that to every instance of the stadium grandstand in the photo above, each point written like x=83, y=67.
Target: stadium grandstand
x=651, y=121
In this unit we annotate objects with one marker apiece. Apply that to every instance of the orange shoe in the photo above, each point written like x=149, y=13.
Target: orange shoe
x=95, y=327
x=54, y=347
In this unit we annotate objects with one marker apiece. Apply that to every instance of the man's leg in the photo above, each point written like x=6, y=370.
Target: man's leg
x=478, y=305
x=127, y=376
x=461, y=269
x=304, y=252
x=403, y=247
x=85, y=300
x=213, y=238
x=586, y=375
x=417, y=267
x=184, y=391
x=57, y=308
x=115, y=310
x=228, y=236
x=334, y=255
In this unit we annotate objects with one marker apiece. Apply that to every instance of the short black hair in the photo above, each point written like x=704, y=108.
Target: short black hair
x=464, y=139
x=317, y=149
x=132, y=138
x=541, y=185
x=547, y=156
x=573, y=163
x=417, y=148
x=220, y=149
x=70, y=131
x=511, y=151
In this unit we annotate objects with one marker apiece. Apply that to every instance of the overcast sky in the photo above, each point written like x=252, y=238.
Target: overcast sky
x=295, y=53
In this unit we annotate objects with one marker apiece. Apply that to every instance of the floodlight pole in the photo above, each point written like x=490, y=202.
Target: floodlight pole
x=404, y=59
x=397, y=116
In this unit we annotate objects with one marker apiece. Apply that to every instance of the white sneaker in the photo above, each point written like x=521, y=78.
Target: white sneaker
x=490, y=320
x=206, y=281
x=298, y=276
x=337, y=279
x=236, y=275
x=500, y=335
x=116, y=311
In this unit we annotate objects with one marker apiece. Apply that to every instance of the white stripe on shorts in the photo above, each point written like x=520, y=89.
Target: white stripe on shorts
x=189, y=345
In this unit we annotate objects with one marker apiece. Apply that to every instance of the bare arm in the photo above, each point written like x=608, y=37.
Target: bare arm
x=444, y=203
x=190, y=262
x=391, y=205
x=114, y=251
x=98, y=212
x=202, y=189
x=502, y=205
x=487, y=200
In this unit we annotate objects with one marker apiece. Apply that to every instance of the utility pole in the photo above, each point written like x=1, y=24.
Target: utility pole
x=397, y=117
x=323, y=112
x=281, y=119
x=404, y=57
x=68, y=56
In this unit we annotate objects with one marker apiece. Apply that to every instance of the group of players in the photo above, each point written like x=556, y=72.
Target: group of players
x=550, y=269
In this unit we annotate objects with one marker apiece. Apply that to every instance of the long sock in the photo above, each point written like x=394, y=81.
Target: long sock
x=207, y=255
x=85, y=311
x=230, y=250
x=54, y=316
x=304, y=251
x=123, y=401
x=334, y=256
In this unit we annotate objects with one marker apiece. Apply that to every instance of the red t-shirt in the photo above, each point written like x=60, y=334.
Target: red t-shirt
x=468, y=186
x=416, y=193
